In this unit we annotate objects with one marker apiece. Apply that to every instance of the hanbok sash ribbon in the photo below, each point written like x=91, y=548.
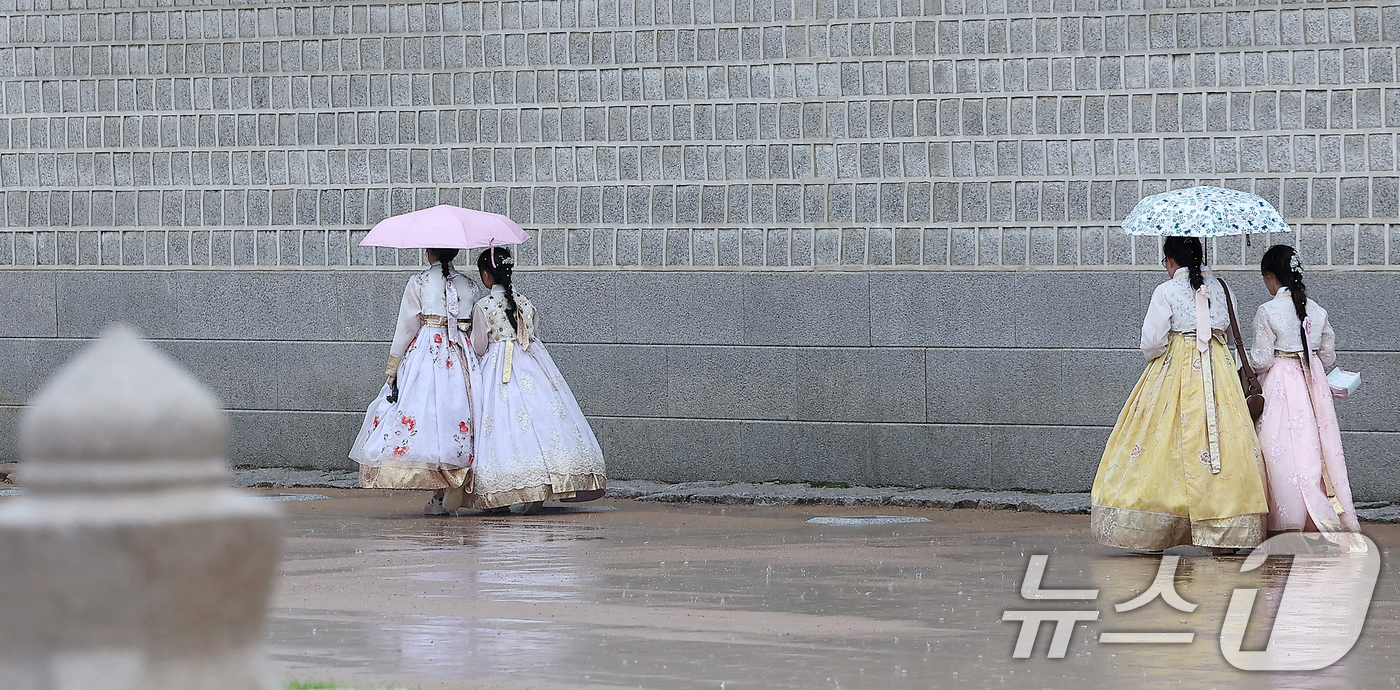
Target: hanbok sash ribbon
x=1305, y=361
x=1203, y=336
x=523, y=339
x=510, y=361
x=454, y=305
x=1203, y=331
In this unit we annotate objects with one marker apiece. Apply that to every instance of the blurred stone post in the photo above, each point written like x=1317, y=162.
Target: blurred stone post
x=129, y=564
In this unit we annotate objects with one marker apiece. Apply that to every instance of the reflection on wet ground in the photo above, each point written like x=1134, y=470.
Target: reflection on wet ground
x=690, y=596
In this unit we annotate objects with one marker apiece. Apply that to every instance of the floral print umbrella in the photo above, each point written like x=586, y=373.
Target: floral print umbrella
x=1203, y=212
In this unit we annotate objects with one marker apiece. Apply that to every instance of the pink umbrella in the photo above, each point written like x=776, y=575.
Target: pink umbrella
x=446, y=227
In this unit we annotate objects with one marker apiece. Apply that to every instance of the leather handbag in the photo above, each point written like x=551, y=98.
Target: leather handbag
x=1249, y=381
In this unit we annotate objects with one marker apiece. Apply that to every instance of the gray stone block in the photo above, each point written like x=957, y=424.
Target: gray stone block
x=683, y=491
x=9, y=433
x=805, y=309
x=948, y=310
x=297, y=376
x=1358, y=307
x=636, y=448
x=287, y=478
x=1114, y=320
x=949, y=499
x=243, y=305
x=768, y=493
x=571, y=305
x=634, y=488
x=859, y=385
x=30, y=363
x=659, y=307
x=731, y=382
x=1052, y=387
x=1371, y=465
x=792, y=449
x=1383, y=513
x=935, y=309
x=1372, y=408
x=1071, y=457
x=931, y=455
x=31, y=310
x=319, y=440
x=615, y=380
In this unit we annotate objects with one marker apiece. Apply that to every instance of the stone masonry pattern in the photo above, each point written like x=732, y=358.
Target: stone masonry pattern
x=690, y=133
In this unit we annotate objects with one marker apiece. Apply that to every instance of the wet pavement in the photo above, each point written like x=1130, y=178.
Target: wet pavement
x=675, y=596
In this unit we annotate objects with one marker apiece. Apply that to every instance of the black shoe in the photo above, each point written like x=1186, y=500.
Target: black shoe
x=1321, y=544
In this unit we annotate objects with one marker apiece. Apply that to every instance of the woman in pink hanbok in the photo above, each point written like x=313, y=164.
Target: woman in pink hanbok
x=418, y=433
x=1298, y=432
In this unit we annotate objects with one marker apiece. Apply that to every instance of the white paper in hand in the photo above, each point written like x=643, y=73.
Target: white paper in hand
x=1343, y=383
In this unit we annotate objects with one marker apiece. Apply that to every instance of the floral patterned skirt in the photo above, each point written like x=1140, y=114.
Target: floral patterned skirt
x=532, y=442
x=424, y=439
x=1155, y=487
x=1302, y=444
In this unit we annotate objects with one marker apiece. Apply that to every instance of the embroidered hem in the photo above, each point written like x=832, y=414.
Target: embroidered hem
x=1148, y=531
x=390, y=475
x=560, y=487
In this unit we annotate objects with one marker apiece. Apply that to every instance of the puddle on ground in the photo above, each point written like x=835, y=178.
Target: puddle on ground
x=687, y=596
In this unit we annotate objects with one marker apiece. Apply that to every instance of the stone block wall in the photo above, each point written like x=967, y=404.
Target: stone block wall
x=873, y=236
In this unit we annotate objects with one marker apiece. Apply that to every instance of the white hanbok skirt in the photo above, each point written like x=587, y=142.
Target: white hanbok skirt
x=532, y=442
x=424, y=439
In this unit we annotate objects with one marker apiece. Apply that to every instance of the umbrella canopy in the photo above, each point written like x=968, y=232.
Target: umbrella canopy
x=1203, y=212
x=445, y=227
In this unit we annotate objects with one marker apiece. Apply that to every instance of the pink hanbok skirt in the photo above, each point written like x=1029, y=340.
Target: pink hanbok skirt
x=1302, y=443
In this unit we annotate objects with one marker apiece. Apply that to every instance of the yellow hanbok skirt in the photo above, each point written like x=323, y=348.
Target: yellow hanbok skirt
x=1156, y=487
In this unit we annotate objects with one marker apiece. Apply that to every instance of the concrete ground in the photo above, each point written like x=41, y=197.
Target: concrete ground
x=633, y=594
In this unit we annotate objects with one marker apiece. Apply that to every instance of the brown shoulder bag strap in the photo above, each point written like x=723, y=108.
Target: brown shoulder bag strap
x=1248, y=379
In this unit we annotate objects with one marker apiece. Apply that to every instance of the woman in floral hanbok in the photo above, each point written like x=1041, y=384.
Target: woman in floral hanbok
x=422, y=439
x=532, y=442
x=1293, y=346
x=1182, y=465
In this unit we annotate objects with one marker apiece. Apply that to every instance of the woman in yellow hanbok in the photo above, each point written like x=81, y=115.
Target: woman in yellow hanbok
x=1182, y=465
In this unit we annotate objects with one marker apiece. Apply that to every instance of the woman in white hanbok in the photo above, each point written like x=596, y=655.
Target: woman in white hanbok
x=532, y=442
x=418, y=433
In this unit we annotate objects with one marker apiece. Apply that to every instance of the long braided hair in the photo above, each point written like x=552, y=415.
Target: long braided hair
x=1282, y=262
x=498, y=263
x=445, y=257
x=1188, y=254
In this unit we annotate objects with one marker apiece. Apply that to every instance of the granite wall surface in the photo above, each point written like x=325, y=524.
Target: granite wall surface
x=688, y=132
x=854, y=240
x=979, y=379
